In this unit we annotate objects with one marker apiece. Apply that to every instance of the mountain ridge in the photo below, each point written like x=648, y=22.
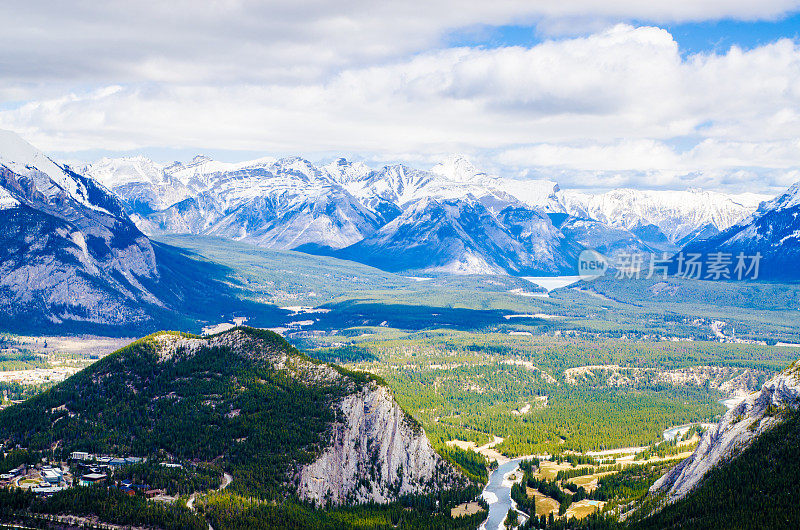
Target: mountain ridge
x=71, y=257
x=772, y=233
x=346, y=207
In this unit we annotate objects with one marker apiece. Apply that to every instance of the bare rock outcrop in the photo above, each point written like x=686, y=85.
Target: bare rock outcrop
x=377, y=453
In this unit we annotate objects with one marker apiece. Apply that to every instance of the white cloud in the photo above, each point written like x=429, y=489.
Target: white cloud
x=612, y=104
x=628, y=155
x=185, y=41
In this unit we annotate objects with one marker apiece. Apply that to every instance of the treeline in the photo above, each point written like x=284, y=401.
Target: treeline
x=551, y=489
x=15, y=458
x=227, y=511
x=520, y=495
x=22, y=360
x=575, y=460
x=665, y=449
x=344, y=354
x=107, y=504
x=632, y=482
x=17, y=391
x=548, y=488
x=473, y=464
x=566, y=474
x=595, y=521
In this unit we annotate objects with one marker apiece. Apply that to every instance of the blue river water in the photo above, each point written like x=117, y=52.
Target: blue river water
x=499, y=496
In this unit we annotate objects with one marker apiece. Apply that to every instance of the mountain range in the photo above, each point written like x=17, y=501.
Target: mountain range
x=771, y=232
x=452, y=218
x=75, y=245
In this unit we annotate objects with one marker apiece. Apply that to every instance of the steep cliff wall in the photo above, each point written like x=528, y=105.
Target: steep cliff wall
x=377, y=452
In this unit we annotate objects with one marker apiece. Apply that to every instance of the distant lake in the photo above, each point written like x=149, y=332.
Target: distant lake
x=552, y=282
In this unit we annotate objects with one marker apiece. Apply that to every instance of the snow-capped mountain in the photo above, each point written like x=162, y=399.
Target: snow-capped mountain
x=540, y=194
x=141, y=184
x=400, y=185
x=608, y=240
x=147, y=187
x=69, y=254
x=463, y=236
x=293, y=204
x=773, y=231
x=283, y=203
x=678, y=215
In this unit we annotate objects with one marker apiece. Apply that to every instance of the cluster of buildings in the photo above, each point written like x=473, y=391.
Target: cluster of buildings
x=14, y=473
x=88, y=469
x=51, y=479
x=94, y=469
x=79, y=457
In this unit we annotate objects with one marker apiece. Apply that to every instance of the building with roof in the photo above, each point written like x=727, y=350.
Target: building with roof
x=90, y=479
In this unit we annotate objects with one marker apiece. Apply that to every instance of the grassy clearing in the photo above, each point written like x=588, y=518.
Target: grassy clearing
x=466, y=509
x=583, y=508
x=544, y=505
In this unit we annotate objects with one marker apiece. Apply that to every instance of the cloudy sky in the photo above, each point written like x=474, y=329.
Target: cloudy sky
x=658, y=94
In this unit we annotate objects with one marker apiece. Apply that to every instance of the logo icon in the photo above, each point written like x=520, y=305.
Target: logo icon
x=591, y=265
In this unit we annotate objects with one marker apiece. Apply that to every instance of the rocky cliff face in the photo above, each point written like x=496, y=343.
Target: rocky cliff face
x=739, y=427
x=376, y=454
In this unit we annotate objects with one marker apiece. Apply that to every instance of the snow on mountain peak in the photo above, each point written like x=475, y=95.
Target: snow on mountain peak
x=23, y=159
x=343, y=201
x=115, y=172
x=343, y=171
x=457, y=168
x=199, y=159
x=18, y=155
x=7, y=200
x=197, y=173
x=786, y=200
x=676, y=213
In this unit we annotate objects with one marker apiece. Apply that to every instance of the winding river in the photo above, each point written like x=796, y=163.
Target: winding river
x=498, y=494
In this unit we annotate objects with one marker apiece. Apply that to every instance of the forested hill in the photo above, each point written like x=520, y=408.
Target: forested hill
x=246, y=400
x=756, y=489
